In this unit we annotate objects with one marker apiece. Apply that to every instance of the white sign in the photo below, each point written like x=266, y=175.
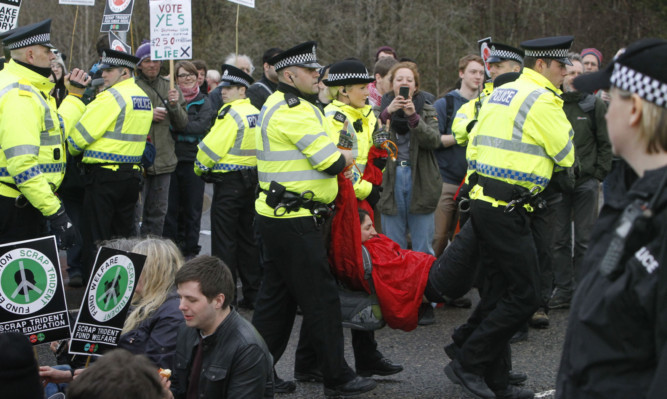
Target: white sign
x=171, y=29
x=9, y=14
x=77, y=2
x=247, y=3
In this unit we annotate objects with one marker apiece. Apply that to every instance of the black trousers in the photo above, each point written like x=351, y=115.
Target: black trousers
x=108, y=209
x=186, y=198
x=296, y=272
x=232, y=235
x=364, y=346
x=510, y=293
x=17, y=224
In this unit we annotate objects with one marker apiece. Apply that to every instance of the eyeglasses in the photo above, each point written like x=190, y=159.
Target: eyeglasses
x=186, y=75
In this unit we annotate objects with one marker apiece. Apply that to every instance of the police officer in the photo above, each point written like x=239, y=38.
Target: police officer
x=521, y=134
x=226, y=157
x=110, y=136
x=32, y=153
x=297, y=163
x=616, y=341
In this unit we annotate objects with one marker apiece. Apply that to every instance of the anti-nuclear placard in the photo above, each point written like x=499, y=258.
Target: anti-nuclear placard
x=9, y=14
x=32, y=297
x=106, y=302
x=171, y=29
x=117, y=15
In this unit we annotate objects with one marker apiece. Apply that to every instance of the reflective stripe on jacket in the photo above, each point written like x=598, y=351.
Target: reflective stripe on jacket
x=32, y=153
x=363, y=140
x=113, y=128
x=522, y=132
x=230, y=145
x=294, y=147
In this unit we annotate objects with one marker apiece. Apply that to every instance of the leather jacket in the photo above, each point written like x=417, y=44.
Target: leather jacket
x=236, y=362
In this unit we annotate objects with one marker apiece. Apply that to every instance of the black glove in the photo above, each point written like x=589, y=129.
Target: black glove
x=63, y=228
x=374, y=196
x=380, y=162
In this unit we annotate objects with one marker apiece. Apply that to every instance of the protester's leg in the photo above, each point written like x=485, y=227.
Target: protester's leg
x=445, y=218
x=193, y=199
x=155, y=205
x=395, y=226
x=585, y=212
x=170, y=229
x=563, y=276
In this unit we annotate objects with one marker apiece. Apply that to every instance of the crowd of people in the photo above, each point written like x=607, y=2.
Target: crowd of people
x=493, y=184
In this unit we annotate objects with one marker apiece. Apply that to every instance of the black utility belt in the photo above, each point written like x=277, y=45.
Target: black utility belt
x=514, y=195
x=283, y=201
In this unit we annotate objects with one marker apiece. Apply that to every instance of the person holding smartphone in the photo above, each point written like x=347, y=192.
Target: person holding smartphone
x=411, y=185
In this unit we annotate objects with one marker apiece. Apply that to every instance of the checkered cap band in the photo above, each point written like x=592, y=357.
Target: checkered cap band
x=298, y=59
x=507, y=55
x=333, y=77
x=548, y=53
x=646, y=87
x=118, y=62
x=235, y=79
x=32, y=40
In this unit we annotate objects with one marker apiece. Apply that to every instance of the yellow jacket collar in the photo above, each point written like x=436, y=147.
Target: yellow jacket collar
x=352, y=112
x=239, y=101
x=35, y=79
x=538, y=79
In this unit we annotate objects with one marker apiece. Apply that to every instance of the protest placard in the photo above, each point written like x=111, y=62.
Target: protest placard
x=171, y=29
x=247, y=3
x=9, y=14
x=77, y=2
x=117, y=15
x=106, y=302
x=117, y=44
x=485, y=53
x=32, y=298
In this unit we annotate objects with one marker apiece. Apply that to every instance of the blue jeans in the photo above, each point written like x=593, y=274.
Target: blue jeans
x=51, y=388
x=421, y=226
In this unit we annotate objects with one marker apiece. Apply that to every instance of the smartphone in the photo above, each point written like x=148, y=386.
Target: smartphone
x=404, y=91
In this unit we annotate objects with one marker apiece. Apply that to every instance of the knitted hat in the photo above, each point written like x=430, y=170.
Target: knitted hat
x=385, y=49
x=19, y=375
x=593, y=51
x=144, y=51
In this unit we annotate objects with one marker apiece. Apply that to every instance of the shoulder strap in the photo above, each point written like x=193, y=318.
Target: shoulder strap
x=224, y=111
x=449, y=111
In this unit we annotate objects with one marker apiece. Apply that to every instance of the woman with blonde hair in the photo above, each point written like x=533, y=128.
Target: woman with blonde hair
x=616, y=345
x=152, y=325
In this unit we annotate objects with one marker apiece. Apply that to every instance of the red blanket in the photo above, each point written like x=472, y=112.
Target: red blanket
x=399, y=275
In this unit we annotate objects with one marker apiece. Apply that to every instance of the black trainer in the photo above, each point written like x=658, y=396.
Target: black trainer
x=357, y=386
x=313, y=375
x=382, y=366
x=282, y=386
x=472, y=383
x=517, y=378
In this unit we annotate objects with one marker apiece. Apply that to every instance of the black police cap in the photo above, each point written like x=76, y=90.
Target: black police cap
x=348, y=72
x=555, y=47
x=303, y=55
x=640, y=69
x=117, y=59
x=30, y=35
x=233, y=76
x=501, y=52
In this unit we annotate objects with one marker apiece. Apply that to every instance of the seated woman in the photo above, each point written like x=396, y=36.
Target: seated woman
x=152, y=325
x=403, y=279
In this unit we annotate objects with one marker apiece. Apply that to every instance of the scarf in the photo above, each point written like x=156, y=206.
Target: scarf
x=399, y=121
x=189, y=94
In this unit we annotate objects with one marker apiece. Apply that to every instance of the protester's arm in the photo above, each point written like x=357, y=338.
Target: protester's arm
x=428, y=135
x=200, y=123
x=51, y=375
x=178, y=116
x=604, y=152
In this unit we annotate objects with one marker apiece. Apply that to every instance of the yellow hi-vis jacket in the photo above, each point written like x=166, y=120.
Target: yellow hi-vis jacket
x=230, y=145
x=468, y=113
x=294, y=147
x=113, y=128
x=32, y=152
x=337, y=112
x=522, y=132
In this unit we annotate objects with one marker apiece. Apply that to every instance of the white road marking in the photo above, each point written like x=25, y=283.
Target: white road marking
x=546, y=394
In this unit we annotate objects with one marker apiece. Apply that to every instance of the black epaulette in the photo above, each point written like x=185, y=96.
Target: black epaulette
x=555, y=94
x=223, y=112
x=340, y=117
x=292, y=100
